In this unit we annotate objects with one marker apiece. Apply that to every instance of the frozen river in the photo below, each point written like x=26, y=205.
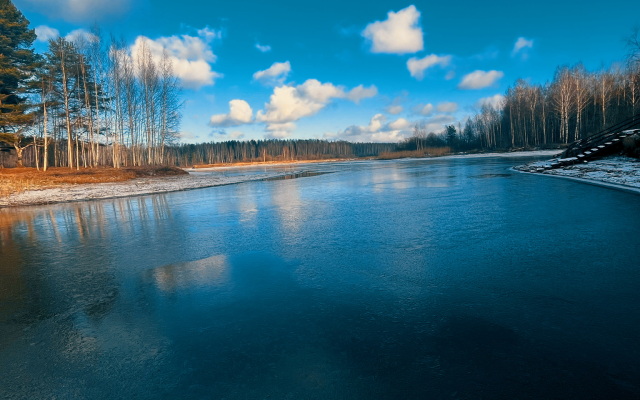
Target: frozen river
x=411, y=279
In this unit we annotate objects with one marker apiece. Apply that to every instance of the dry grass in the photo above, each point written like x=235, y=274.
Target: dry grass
x=426, y=152
x=15, y=180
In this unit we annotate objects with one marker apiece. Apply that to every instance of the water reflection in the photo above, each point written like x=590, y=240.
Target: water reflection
x=83, y=220
x=247, y=205
x=402, y=176
x=412, y=279
x=211, y=271
x=286, y=198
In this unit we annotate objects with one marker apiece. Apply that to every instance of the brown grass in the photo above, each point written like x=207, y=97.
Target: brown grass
x=16, y=180
x=426, y=152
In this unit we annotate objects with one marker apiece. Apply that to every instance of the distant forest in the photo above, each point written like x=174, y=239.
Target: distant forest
x=575, y=104
x=272, y=150
x=91, y=102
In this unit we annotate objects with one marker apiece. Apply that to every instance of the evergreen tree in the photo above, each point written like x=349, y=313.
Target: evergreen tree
x=17, y=62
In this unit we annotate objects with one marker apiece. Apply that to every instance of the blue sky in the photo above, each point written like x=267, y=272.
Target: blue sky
x=353, y=70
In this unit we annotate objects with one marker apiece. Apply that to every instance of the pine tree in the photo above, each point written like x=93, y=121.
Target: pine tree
x=17, y=63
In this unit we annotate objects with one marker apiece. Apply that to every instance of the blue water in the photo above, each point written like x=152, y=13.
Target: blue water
x=411, y=279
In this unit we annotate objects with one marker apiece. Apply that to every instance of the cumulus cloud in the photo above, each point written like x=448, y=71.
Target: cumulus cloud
x=275, y=74
x=45, y=33
x=191, y=56
x=81, y=36
x=495, y=101
x=80, y=10
x=360, y=93
x=290, y=103
x=189, y=137
x=280, y=130
x=399, y=124
x=480, y=79
x=417, y=66
x=240, y=113
x=437, y=123
x=400, y=33
x=263, y=48
x=394, y=109
x=378, y=130
x=447, y=107
x=424, y=109
x=209, y=34
x=521, y=46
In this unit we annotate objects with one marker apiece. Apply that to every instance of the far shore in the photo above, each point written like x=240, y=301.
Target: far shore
x=202, y=177
x=212, y=167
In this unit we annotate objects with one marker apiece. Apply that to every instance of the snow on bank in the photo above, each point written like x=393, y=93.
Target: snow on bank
x=136, y=187
x=617, y=171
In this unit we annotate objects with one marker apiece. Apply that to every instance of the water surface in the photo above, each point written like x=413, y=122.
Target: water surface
x=412, y=279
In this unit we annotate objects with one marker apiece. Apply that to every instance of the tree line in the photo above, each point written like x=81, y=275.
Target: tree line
x=86, y=102
x=234, y=151
x=575, y=104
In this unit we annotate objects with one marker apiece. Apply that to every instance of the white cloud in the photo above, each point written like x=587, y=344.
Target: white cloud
x=81, y=36
x=521, y=46
x=289, y=103
x=209, y=34
x=263, y=48
x=495, y=101
x=426, y=109
x=437, y=123
x=275, y=74
x=240, y=113
x=189, y=137
x=480, y=79
x=450, y=75
x=191, y=56
x=360, y=93
x=280, y=130
x=80, y=10
x=447, y=107
x=399, y=124
x=236, y=135
x=378, y=130
x=46, y=33
x=400, y=33
x=418, y=66
x=394, y=109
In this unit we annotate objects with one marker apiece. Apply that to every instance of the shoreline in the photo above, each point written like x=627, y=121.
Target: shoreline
x=614, y=172
x=252, y=164
x=609, y=185
x=199, y=178
x=135, y=187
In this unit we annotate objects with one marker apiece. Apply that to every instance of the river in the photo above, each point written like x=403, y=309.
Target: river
x=406, y=279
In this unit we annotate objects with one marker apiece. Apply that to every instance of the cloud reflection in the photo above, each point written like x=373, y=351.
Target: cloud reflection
x=210, y=271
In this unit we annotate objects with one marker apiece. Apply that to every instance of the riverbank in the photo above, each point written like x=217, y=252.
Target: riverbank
x=617, y=172
x=611, y=172
x=17, y=180
x=134, y=187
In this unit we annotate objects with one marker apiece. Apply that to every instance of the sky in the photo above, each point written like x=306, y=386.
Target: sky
x=347, y=70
